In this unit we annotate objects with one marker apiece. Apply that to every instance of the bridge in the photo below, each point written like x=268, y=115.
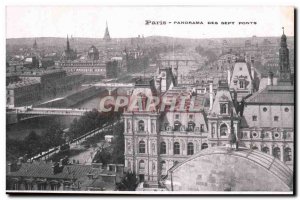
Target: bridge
x=111, y=85
x=50, y=111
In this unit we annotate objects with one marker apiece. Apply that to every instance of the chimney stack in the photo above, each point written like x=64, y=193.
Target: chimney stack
x=270, y=78
x=210, y=95
x=228, y=76
x=56, y=168
x=9, y=167
x=252, y=68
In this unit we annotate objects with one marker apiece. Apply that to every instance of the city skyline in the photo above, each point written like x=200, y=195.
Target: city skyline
x=30, y=22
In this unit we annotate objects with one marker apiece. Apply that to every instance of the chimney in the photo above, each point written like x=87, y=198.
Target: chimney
x=56, y=168
x=270, y=78
x=252, y=68
x=19, y=163
x=228, y=76
x=9, y=167
x=210, y=95
x=90, y=175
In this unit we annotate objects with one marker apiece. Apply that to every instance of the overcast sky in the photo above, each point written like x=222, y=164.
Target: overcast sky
x=36, y=21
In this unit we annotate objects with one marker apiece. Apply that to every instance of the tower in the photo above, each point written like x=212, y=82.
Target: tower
x=284, y=65
x=69, y=54
x=35, y=44
x=106, y=37
x=68, y=43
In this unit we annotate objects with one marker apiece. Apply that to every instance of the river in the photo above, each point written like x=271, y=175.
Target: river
x=21, y=129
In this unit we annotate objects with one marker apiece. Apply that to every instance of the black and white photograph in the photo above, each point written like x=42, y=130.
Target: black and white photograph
x=150, y=100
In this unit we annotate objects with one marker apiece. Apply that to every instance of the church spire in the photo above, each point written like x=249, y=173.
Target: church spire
x=35, y=44
x=106, y=34
x=68, y=43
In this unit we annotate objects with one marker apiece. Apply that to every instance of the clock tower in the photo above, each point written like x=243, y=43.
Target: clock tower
x=284, y=65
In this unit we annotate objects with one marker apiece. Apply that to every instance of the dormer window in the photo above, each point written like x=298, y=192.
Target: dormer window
x=241, y=84
x=191, y=126
x=141, y=125
x=223, y=130
x=177, y=126
x=223, y=108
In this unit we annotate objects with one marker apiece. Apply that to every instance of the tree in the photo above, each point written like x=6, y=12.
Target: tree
x=32, y=143
x=53, y=136
x=128, y=183
x=103, y=157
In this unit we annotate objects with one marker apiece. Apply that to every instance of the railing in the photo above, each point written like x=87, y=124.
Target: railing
x=52, y=111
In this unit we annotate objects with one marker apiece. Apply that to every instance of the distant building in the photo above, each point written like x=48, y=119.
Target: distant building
x=31, y=62
x=69, y=54
x=21, y=93
x=111, y=69
x=51, y=82
x=86, y=67
x=93, y=53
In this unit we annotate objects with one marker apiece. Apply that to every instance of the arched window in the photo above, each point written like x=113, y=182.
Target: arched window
x=223, y=130
x=223, y=108
x=142, y=147
x=142, y=164
x=177, y=126
x=287, y=154
x=190, y=149
x=163, y=148
x=191, y=126
x=276, y=152
x=141, y=125
x=266, y=150
x=204, y=146
x=176, y=148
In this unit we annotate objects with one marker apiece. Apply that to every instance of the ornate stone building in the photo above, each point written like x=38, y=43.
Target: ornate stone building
x=233, y=113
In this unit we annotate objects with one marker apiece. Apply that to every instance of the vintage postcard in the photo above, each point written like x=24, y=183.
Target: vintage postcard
x=150, y=100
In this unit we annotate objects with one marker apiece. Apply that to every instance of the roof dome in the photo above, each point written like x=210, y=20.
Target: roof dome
x=93, y=49
x=225, y=169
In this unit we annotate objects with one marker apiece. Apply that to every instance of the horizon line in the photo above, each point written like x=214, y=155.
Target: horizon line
x=147, y=37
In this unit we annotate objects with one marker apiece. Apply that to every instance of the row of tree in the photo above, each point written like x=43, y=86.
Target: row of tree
x=34, y=143
x=115, y=152
x=91, y=121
